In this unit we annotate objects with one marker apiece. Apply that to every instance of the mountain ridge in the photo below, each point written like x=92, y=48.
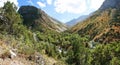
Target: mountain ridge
x=35, y=18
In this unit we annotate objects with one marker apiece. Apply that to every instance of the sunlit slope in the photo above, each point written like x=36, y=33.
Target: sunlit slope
x=103, y=25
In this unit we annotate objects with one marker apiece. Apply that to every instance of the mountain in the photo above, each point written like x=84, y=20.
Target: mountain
x=110, y=4
x=37, y=19
x=75, y=21
x=104, y=24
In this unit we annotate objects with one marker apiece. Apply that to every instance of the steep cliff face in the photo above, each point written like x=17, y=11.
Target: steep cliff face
x=37, y=19
x=103, y=25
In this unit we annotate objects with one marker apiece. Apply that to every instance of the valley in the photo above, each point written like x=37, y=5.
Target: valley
x=29, y=36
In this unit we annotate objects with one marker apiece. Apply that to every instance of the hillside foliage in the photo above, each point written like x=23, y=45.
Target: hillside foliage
x=69, y=48
x=102, y=26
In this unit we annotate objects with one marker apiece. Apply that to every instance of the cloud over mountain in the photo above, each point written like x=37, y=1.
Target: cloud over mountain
x=41, y=4
x=76, y=6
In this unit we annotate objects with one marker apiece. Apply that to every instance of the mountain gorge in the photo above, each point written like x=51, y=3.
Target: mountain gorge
x=31, y=37
x=104, y=25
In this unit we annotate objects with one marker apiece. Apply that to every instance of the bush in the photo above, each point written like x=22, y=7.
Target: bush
x=105, y=54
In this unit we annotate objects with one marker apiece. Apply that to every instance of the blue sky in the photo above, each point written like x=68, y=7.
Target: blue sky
x=62, y=10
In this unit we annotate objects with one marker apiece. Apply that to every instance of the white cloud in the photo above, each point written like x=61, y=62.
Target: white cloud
x=70, y=6
x=76, y=6
x=41, y=4
x=49, y=2
x=3, y=1
x=30, y=2
x=95, y=4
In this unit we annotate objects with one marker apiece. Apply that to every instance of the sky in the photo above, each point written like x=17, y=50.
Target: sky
x=62, y=10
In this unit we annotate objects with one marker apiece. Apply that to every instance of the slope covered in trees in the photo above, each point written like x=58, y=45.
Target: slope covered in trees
x=104, y=25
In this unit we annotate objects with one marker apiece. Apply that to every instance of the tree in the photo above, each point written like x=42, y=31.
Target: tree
x=14, y=19
x=105, y=55
x=78, y=55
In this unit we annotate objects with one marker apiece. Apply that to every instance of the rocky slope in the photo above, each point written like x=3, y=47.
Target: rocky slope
x=10, y=56
x=104, y=25
x=37, y=19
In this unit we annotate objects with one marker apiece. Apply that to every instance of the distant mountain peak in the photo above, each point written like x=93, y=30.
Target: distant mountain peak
x=77, y=20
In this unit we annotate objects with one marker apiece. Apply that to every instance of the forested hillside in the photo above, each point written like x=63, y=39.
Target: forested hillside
x=104, y=25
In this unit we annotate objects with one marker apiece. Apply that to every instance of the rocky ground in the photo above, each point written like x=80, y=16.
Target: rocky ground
x=23, y=61
x=16, y=61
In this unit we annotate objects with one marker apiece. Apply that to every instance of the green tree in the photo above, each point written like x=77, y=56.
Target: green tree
x=79, y=52
x=105, y=54
x=14, y=19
